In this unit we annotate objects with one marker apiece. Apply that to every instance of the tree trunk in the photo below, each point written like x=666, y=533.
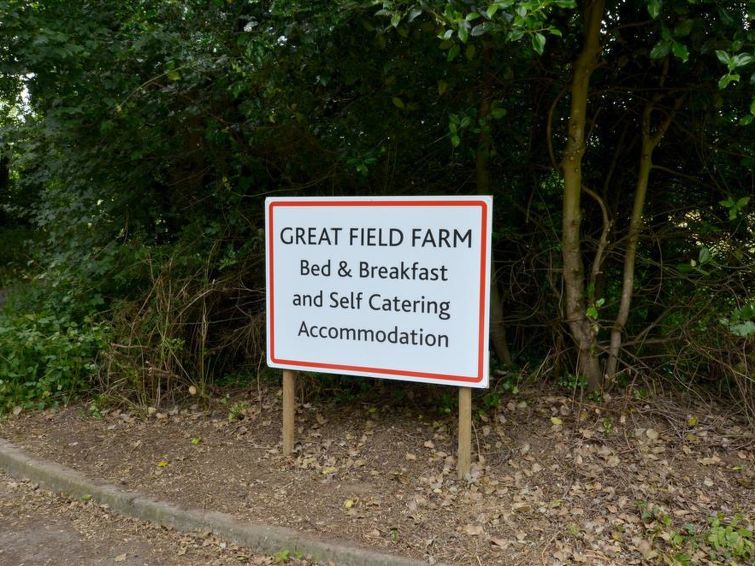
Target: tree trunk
x=497, y=326
x=580, y=325
x=484, y=187
x=649, y=143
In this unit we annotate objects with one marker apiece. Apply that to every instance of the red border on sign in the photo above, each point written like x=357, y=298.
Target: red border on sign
x=391, y=203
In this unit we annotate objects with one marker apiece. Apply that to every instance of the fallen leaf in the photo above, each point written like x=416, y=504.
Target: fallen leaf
x=410, y=456
x=652, y=434
x=121, y=557
x=163, y=464
x=556, y=421
x=646, y=550
x=613, y=461
x=473, y=530
x=499, y=542
x=349, y=503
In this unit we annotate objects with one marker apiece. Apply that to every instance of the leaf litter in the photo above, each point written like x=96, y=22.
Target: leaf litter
x=621, y=482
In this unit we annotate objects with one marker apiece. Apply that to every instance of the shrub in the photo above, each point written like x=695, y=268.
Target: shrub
x=45, y=360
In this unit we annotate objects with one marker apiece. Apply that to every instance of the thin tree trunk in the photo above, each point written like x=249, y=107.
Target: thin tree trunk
x=580, y=325
x=497, y=326
x=484, y=187
x=649, y=143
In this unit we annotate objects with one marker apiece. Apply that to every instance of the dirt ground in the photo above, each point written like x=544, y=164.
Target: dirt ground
x=38, y=527
x=558, y=480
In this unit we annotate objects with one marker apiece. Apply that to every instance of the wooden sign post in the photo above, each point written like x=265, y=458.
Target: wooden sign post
x=289, y=412
x=465, y=432
x=389, y=287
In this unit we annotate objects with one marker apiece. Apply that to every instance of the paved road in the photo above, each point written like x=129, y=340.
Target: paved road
x=38, y=527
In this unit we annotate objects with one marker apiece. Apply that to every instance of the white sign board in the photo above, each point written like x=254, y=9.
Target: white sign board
x=388, y=287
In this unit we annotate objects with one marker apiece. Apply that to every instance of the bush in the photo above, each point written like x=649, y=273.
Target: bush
x=45, y=360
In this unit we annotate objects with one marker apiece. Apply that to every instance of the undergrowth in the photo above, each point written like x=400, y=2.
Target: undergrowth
x=45, y=360
x=723, y=540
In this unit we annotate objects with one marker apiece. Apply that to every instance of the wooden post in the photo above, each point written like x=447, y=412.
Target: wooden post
x=289, y=411
x=465, y=432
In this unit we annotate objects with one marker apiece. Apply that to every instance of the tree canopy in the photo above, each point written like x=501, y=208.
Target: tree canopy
x=138, y=140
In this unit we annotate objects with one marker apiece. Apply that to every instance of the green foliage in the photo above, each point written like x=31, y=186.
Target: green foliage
x=572, y=381
x=722, y=539
x=237, y=411
x=139, y=139
x=741, y=323
x=735, y=206
x=45, y=360
x=729, y=539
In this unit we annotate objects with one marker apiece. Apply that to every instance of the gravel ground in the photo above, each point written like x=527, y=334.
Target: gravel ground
x=39, y=527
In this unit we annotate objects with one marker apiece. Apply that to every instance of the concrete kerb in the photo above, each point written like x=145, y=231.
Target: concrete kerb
x=260, y=538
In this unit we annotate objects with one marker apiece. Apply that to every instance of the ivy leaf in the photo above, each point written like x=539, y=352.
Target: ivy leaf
x=727, y=79
x=744, y=329
x=463, y=33
x=480, y=29
x=742, y=59
x=538, y=43
x=660, y=50
x=724, y=57
x=398, y=103
x=442, y=87
x=654, y=8
x=453, y=53
x=680, y=51
x=704, y=256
